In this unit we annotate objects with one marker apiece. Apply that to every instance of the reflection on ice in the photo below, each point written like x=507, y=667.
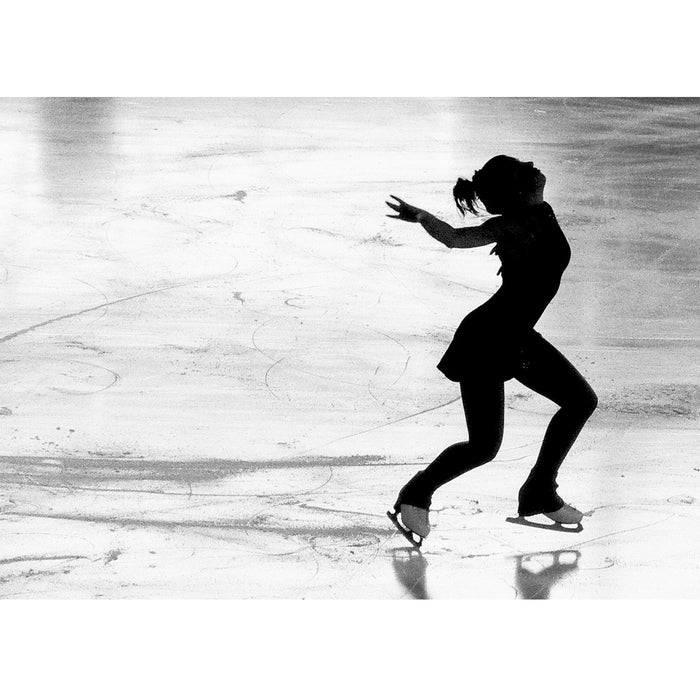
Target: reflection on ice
x=76, y=138
x=536, y=574
x=410, y=570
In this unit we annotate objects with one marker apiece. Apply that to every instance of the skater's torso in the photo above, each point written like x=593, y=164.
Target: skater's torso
x=534, y=254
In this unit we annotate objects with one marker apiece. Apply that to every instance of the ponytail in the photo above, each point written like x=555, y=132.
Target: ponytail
x=465, y=196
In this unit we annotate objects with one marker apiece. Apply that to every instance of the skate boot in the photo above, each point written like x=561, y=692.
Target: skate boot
x=566, y=515
x=416, y=520
x=536, y=500
x=410, y=514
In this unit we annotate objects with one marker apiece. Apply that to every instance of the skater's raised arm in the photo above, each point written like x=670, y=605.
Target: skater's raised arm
x=467, y=237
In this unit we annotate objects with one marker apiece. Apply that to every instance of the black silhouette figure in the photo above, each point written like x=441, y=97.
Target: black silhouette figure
x=497, y=341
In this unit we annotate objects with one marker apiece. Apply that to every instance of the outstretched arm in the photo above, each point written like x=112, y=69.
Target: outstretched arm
x=467, y=237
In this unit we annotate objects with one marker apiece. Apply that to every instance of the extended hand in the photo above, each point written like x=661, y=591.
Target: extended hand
x=406, y=212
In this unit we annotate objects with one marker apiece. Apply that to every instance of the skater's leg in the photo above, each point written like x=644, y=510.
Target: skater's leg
x=483, y=403
x=550, y=374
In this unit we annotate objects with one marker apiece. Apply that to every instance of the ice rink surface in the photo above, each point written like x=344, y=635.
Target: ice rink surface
x=218, y=356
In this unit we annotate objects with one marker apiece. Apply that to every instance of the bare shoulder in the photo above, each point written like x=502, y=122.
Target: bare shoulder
x=499, y=226
x=526, y=221
x=493, y=225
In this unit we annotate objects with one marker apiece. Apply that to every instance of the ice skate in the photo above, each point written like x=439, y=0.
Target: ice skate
x=551, y=507
x=412, y=522
x=535, y=499
x=410, y=514
x=566, y=515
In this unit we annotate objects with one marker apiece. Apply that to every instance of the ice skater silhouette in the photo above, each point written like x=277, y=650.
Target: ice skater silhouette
x=497, y=341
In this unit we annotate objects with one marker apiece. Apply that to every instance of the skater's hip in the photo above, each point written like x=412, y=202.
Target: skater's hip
x=496, y=353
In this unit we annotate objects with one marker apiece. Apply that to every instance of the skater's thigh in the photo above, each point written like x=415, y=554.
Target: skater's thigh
x=483, y=402
x=546, y=371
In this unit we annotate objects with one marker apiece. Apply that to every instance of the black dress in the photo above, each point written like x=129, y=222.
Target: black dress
x=494, y=338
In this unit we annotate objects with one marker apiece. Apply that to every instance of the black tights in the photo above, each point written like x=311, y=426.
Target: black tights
x=546, y=371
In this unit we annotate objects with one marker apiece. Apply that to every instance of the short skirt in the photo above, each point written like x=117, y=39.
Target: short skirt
x=482, y=346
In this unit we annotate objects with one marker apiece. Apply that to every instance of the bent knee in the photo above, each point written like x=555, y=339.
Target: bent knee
x=591, y=402
x=485, y=451
x=584, y=405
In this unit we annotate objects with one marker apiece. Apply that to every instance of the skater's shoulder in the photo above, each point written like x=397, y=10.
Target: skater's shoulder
x=536, y=216
x=546, y=208
x=503, y=226
x=542, y=208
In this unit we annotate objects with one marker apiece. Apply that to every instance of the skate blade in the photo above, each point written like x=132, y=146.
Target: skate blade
x=408, y=534
x=558, y=527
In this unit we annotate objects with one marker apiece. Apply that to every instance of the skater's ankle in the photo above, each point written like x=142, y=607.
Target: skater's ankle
x=415, y=499
x=535, y=502
x=414, y=494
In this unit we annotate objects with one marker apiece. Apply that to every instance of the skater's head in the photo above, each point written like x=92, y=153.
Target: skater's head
x=503, y=185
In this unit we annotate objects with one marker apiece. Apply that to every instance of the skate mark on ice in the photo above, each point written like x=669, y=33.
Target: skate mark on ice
x=371, y=558
x=115, y=378
x=60, y=276
x=309, y=373
x=375, y=398
x=391, y=422
x=434, y=276
x=306, y=506
x=79, y=345
x=289, y=529
x=99, y=291
x=257, y=519
x=170, y=473
x=289, y=300
x=189, y=494
x=67, y=277
x=298, y=297
x=40, y=557
x=328, y=544
x=172, y=219
x=608, y=563
x=312, y=253
x=311, y=549
x=622, y=532
x=626, y=506
x=254, y=341
x=121, y=300
x=652, y=262
x=267, y=382
x=416, y=297
x=509, y=460
x=403, y=369
x=449, y=282
x=345, y=339
x=489, y=534
x=314, y=229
